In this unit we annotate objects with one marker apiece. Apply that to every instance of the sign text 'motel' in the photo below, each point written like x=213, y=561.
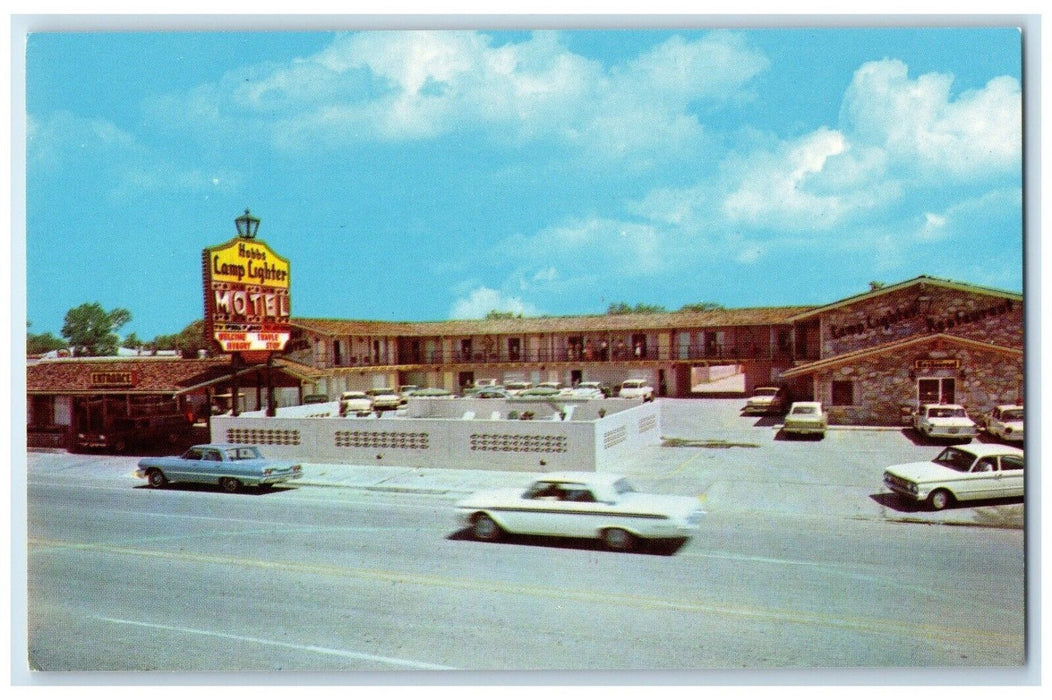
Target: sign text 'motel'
x=247, y=304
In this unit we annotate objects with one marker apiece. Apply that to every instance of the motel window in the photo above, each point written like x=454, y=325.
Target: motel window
x=843, y=393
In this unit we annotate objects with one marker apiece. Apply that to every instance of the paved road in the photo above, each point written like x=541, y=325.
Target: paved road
x=375, y=576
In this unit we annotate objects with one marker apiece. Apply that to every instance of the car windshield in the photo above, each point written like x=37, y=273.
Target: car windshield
x=1015, y=414
x=946, y=413
x=237, y=453
x=622, y=486
x=765, y=392
x=956, y=459
x=805, y=410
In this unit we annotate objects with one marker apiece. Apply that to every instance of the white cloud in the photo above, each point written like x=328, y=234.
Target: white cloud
x=933, y=228
x=925, y=129
x=589, y=246
x=481, y=300
x=811, y=183
x=400, y=86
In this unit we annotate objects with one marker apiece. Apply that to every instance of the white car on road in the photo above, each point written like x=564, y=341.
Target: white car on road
x=581, y=504
x=960, y=473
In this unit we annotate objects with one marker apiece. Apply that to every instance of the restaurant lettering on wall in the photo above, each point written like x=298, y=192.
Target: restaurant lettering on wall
x=907, y=312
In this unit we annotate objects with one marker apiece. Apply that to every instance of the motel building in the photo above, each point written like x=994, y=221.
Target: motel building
x=870, y=359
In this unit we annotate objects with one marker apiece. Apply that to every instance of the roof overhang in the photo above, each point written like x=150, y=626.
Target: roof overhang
x=916, y=281
x=224, y=376
x=895, y=347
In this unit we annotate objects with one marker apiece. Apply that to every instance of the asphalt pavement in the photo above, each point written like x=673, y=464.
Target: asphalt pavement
x=733, y=464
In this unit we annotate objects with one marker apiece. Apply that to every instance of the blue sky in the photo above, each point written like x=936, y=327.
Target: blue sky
x=434, y=175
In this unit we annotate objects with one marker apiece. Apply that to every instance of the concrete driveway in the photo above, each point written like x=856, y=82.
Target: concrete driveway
x=735, y=464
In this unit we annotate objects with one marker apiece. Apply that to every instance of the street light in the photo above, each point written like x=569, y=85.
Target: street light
x=247, y=225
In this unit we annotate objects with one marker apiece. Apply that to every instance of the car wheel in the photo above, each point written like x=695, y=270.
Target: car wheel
x=939, y=499
x=485, y=528
x=617, y=539
x=156, y=479
x=229, y=484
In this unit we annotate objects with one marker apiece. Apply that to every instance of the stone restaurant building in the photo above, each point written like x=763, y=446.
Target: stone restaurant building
x=878, y=355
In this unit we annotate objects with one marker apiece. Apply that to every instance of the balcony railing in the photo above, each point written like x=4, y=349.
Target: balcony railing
x=707, y=352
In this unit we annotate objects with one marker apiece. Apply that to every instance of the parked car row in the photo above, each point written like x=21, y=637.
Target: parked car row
x=936, y=421
x=629, y=389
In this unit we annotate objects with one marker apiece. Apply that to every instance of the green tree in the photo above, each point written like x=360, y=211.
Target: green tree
x=40, y=343
x=132, y=341
x=623, y=308
x=191, y=339
x=187, y=341
x=495, y=315
x=92, y=331
x=703, y=306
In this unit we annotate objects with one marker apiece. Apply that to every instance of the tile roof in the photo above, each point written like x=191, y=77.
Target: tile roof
x=152, y=375
x=556, y=324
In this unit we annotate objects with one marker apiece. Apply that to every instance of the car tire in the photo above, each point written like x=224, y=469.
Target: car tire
x=486, y=528
x=156, y=479
x=229, y=484
x=618, y=540
x=939, y=499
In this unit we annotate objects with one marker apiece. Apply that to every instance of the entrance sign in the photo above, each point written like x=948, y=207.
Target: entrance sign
x=246, y=288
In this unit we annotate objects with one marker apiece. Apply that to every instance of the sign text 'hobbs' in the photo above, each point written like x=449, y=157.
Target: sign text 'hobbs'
x=247, y=304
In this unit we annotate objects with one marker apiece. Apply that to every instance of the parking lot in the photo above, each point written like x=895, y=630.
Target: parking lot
x=736, y=463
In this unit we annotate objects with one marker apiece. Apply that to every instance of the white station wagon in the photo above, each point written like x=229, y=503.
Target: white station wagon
x=960, y=473
x=580, y=504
